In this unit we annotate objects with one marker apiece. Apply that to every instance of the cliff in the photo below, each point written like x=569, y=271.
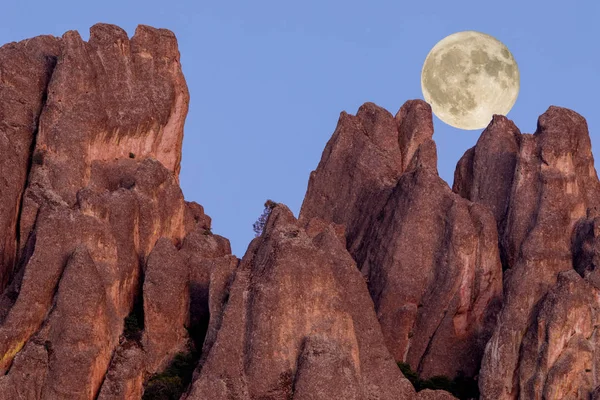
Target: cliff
x=114, y=287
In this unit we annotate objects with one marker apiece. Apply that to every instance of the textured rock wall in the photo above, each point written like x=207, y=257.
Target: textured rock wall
x=545, y=210
x=91, y=133
x=25, y=70
x=496, y=279
x=431, y=258
x=281, y=339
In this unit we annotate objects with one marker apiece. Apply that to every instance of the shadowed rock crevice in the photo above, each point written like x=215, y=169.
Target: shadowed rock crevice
x=586, y=249
x=133, y=324
x=35, y=158
x=199, y=320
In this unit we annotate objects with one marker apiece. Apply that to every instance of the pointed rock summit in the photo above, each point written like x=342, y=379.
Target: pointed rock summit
x=545, y=212
x=316, y=340
x=280, y=339
x=430, y=258
x=97, y=276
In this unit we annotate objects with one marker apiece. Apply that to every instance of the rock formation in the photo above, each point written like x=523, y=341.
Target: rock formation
x=316, y=340
x=544, y=342
x=108, y=276
x=92, y=215
x=25, y=70
x=431, y=258
x=112, y=286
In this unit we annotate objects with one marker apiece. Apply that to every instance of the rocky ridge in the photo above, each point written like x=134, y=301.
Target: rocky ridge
x=430, y=257
x=546, y=212
x=114, y=287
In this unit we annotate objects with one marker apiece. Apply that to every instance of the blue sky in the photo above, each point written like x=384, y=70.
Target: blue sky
x=268, y=79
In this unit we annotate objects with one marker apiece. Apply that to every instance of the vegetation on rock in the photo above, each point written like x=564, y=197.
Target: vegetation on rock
x=174, y=380
x=260, y=223
x=461, y=386
x=134, y=323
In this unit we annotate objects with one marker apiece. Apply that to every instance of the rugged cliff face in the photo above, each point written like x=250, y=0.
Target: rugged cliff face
x=93, y=219
x=296, y=324
x=430, y=257
x=545, y=341
x=114, y=287
x=25, y=68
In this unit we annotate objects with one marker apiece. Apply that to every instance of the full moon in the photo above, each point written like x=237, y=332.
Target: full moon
x=468, y=77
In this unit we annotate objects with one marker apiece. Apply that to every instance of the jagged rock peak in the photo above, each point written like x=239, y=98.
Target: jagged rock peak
x=543, y=190
x=315, y=340
x=415, y=127
x=96, y=239
x=485, y=173
x=430, y=257
x=67, y=104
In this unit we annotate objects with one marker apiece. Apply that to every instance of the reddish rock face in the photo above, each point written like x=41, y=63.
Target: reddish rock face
x=547, y=231
x=166, y=305
x=359, y=164
x=99, y=130
x=560, y=349
x=385, y=261
x=485, y=173
x=108, y=98
x=195, y=217
x=119, y=228
x=212, y=268
x=184, y=291
x=430, y=257
x=81, y=316
x=125, y=377
x=436, y=304
x=317, y=339
x=25, y=70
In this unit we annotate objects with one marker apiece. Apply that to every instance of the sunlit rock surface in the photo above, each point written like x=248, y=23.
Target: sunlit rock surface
x=430, y=257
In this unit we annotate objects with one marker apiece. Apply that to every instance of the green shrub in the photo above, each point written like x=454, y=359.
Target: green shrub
x=132, y=329
x=260, y=223
x=134, y=322
x=162, y=387
x=183, y=365
x=461, y=387
x=174, y=380
x=438, y=383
